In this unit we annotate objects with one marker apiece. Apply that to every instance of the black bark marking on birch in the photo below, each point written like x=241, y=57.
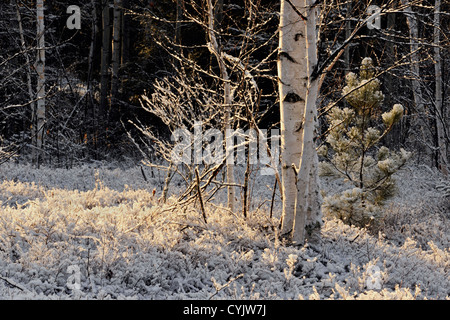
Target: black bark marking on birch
x=292, y=97
x=315, y=73
x=298, y=36
x=283, y=83
x=294, y=168
x=287, y=56
x=296, y=10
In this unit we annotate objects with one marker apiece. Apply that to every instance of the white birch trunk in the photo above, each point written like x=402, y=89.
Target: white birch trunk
x=415, y=68
x=29, y=82
x=216, y=51
x=440, y=119
x=40, y=69
x=314, y=212
x=419, y=100
x=292, y=81
x=307, y=205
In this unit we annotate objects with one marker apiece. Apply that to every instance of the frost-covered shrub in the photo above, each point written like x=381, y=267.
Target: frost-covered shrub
x=129, y=245
x=352, y=150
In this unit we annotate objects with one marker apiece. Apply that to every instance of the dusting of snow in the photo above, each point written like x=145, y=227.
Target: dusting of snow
x=128, y=245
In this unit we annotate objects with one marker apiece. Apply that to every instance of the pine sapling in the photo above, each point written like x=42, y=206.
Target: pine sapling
x=352, y=150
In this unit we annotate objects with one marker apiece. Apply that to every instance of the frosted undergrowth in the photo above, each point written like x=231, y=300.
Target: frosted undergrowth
x=128, y=245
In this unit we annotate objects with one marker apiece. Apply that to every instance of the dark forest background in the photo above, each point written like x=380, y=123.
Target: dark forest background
x=90, y=110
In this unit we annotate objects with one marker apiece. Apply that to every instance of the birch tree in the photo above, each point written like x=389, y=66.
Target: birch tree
x=40, y=69
x=31, y=93
x=440, y=118
x=298, y=87
x=419, y=100
x=292, y=84
x=215, y=49
x=308, y=213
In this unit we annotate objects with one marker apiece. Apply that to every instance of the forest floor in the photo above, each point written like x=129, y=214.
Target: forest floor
x=107, y=223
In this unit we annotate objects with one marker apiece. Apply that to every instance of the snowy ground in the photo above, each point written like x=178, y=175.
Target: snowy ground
x=107, y=222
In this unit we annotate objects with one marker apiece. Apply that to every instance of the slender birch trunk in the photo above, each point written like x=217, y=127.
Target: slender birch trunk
x=415, y=68
x=31, y=95
x=394, y=138
x=314, y=212
x=115, y=61
x=440, y=119
x=227, y=101
x=40, y=69
x=307, y=204
x=419, y=100
x=292, y=81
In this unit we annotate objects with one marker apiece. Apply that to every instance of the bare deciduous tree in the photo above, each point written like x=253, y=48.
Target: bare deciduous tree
x=292, y=86
x=40, y=69
x=298, y=89
x=439, y=110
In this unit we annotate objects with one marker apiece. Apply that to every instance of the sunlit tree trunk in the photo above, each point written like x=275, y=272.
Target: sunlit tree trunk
x=292, y=91
x=308, y=212
x=227, y=101
x=40, y=70
x=314, y=209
